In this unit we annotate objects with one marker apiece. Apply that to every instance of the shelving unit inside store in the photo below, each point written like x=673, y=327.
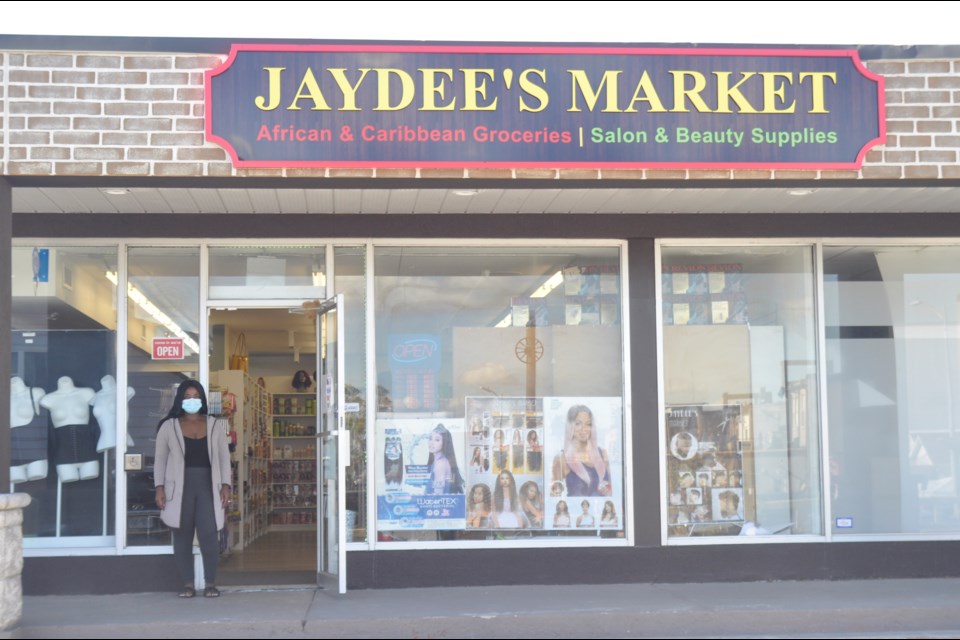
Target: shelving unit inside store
x=246, y=405
x=293, y=466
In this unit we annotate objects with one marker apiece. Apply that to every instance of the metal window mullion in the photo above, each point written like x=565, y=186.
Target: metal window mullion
x=203, y=357
x=626, y=426
x=661, y=397
x=120, y=498
x=821, y=315
x=372, y=395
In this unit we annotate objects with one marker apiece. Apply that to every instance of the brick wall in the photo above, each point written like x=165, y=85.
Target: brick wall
x=96, y=114
x=107, y=114
x=923, y=120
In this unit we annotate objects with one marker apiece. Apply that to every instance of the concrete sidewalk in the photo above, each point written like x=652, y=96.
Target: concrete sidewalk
x=860, y=608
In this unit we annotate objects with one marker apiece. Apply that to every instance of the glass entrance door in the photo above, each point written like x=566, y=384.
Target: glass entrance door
x=333, y=448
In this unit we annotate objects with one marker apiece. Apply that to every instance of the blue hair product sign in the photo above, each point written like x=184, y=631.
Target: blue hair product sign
x=535, y=106
x=419, y=477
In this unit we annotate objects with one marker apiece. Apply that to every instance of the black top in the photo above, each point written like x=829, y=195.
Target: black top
x=196, y=454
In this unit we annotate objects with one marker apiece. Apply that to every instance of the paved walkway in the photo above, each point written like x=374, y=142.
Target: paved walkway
x=860, y=608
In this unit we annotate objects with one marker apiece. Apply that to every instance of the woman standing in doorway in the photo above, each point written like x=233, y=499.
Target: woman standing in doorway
x=192, y=479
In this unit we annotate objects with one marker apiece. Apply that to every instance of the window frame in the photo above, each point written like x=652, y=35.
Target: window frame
x=115, y=545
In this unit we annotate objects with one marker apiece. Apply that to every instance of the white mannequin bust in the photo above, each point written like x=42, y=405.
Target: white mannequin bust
x=104, y=404
x=24, y=408
x=69, y=407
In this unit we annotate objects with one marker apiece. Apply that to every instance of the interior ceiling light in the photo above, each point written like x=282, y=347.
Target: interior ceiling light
x=154, y=312
x=552, y=283
x=116, y=192
x=801, y=192
x=542, y=291
x=465, y=192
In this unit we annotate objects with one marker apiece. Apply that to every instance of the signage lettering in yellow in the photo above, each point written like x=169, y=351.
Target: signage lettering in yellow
x=692, y=89
x=447, y=89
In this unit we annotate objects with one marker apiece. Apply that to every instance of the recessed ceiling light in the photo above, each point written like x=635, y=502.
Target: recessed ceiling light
x=465, y=192
x=116, y=192
x=800, y=192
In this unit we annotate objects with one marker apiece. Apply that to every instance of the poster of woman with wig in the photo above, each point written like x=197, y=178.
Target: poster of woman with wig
x=505, y=475
x=583, y=452
x=421, y=473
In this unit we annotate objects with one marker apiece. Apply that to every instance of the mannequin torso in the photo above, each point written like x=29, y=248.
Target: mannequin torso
x=24, y=402
x=28, y=459
x=104, y=403
x=75, y=452
x=68, y=405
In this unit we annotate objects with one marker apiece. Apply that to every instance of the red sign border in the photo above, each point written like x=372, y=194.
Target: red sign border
x=515, y=49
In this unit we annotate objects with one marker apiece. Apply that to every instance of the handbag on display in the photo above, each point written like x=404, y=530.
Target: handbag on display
x=239, y=359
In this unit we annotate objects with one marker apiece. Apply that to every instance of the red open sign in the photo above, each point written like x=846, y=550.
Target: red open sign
x=168, y=348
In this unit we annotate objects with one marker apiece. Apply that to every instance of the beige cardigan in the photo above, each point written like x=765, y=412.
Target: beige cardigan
x=168, y=466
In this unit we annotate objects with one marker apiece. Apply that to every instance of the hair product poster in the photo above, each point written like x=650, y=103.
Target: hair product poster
x=505, y=487
x=583, y=459
x=420, y=474
x=705, y=469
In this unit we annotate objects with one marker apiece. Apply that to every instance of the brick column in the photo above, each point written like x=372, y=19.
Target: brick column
x=11, y=561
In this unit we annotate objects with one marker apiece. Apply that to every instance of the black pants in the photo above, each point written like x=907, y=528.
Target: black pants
x=197, y=513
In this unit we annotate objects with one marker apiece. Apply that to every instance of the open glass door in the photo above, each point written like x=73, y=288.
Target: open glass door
x=333, y=448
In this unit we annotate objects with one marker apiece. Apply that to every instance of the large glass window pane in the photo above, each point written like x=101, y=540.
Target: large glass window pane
x=242, y=273
x=163, y=307
x=499, y=395
x=740, y=388
x=892, y=371
x=63, y=392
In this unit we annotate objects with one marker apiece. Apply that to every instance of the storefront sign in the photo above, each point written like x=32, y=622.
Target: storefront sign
x=168, y=348
x=510, y=106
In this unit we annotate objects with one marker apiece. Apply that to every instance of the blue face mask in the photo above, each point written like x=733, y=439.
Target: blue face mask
x=192, y=405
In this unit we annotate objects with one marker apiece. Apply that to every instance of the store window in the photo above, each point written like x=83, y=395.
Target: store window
x=163, y=309
x=740, y=391
x=893, y=388
x=63, y=392
x=499, y=393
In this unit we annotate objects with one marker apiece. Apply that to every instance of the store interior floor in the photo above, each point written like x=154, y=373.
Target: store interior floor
x=275, y=558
